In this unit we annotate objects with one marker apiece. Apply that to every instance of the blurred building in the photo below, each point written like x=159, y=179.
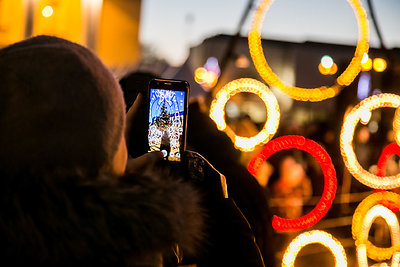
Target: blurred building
x=109, y=27
x=296, y=64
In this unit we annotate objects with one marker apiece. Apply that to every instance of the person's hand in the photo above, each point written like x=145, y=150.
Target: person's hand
x=139, y=163
x=200, y=172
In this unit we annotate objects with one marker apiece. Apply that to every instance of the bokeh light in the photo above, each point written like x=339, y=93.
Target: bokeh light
x=326, y=61
x=208, y=75
x=379, y=64
x=47, y=11
x=327, y=71
x=308, y=94
x=364, y=85
x=366, y=63
x=217, y=112
x=315, y=236
x=328, y=170
x=367, y=66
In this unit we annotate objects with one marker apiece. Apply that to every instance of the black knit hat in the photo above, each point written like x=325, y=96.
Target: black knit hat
x=60, y=107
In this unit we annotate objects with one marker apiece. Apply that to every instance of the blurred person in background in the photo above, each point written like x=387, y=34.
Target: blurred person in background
x=291, y=187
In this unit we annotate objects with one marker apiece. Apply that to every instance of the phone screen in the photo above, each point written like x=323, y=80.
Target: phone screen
x=167, y=122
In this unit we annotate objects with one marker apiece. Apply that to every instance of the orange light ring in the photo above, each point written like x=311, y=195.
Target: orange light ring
x=346, y=139
x=308, y=94
x=315, y=236
x=359, y=229
x=322, y=157
x=217, y=112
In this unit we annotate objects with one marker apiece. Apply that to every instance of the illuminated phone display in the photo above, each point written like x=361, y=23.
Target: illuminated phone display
x=167, y=122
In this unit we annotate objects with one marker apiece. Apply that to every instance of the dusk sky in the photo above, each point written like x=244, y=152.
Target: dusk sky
x=171, y=27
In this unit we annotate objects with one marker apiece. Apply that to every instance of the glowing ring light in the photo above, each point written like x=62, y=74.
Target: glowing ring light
x=393, y=223
x=217, y=112
x=315, y=236
x=322, y=157
x=346, y=139
x=396, y=126
x=388, y=151
x=308, y=94
x=360, y=231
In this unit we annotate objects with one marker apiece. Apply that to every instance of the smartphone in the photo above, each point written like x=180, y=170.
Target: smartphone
x=167, y=114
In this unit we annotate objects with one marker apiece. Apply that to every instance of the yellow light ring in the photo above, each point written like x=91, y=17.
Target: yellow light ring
x=363, y=261
x=346, y=139
x=396, y=126
x=217, y=112
x=315, y=236
x=308, y=94
x=362, y=221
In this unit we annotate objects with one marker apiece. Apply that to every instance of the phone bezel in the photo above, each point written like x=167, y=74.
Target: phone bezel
x=173, y=85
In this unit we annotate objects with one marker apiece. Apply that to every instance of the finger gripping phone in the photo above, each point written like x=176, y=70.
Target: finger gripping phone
x=167, y=113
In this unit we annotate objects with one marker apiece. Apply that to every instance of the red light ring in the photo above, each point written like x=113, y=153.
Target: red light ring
x=387, y=152
x=324, y=160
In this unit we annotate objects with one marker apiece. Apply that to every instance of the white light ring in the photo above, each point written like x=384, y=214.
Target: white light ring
x=390, y=218
x=315, y=236
x=346, y=140
x=217, y=112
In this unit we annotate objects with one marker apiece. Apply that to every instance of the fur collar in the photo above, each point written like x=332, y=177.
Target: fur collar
x=59, y=220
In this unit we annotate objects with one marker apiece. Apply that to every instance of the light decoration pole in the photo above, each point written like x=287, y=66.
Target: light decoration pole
x=315, y=236
x=308, y=94
x=322, y=157
x=217, y=112
x=363, y=217
x=346, y=139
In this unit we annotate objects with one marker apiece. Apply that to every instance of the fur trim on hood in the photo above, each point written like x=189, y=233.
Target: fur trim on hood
x=60, y=220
